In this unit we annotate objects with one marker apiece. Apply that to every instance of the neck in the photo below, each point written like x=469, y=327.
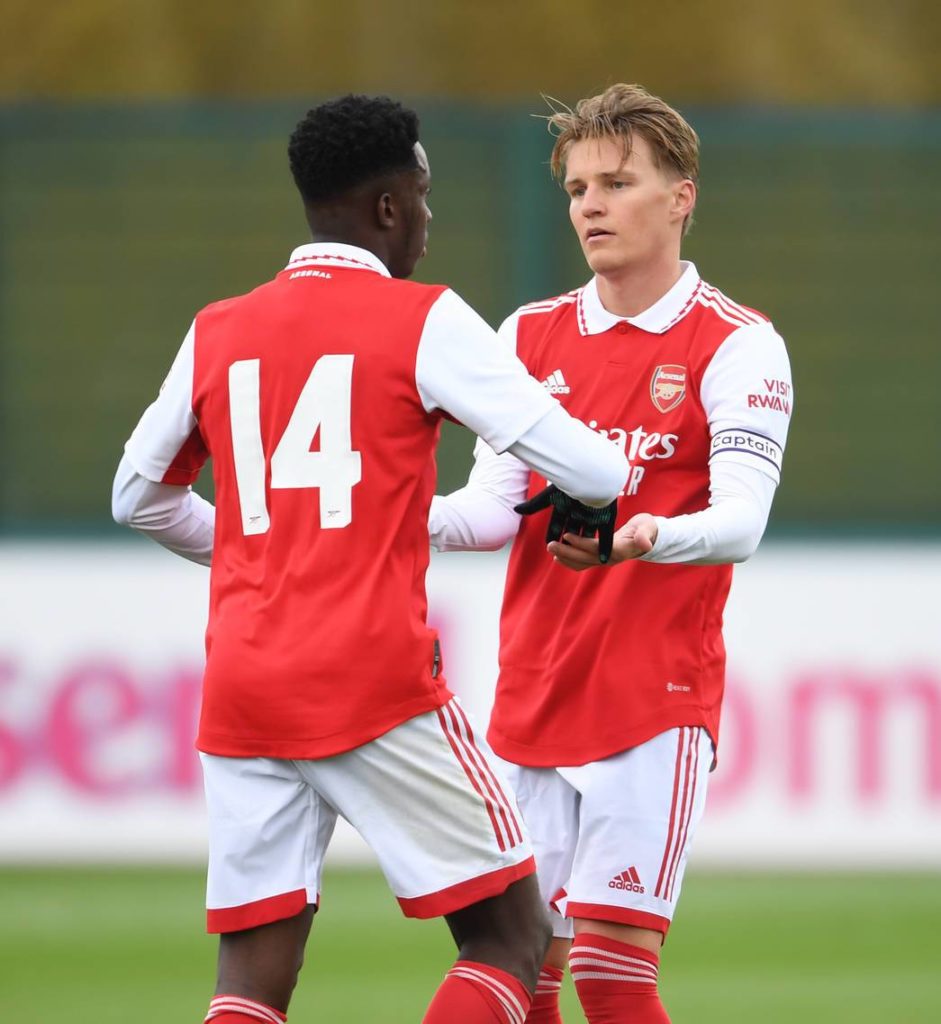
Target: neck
x=347, y=221
x=630, y=290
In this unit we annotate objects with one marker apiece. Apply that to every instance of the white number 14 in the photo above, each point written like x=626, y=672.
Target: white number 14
x=324, y=405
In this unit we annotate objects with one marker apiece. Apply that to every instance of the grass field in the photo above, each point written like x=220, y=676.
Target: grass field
x=126, y=947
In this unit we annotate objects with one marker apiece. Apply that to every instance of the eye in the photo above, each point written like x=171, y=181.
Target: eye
x=577, y=192
x=617, y=185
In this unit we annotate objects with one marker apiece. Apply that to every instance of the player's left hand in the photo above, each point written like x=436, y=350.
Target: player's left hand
x=635, y=538
x=571, y=517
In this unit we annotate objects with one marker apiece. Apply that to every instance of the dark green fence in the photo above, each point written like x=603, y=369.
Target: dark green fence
x=117, y=224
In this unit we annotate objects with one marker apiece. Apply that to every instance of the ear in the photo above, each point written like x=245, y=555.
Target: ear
x=684, y=198
x=385, y=210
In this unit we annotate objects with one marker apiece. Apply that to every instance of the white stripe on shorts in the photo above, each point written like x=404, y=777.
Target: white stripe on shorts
x=686, y=774
x=460, y=736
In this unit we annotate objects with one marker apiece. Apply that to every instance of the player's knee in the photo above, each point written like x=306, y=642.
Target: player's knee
x=530, y=920
x=528, y=942
x=542, y=937
x=538, y=942
x=264, y=963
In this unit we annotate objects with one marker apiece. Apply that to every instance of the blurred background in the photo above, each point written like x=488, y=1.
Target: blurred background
x=143, y=174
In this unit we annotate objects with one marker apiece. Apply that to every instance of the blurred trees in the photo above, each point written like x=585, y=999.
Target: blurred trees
x=836, y=52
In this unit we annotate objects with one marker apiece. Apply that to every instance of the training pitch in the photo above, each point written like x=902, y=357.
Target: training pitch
x=101, y=946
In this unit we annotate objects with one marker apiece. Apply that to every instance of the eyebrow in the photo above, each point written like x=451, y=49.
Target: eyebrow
x=621, y=172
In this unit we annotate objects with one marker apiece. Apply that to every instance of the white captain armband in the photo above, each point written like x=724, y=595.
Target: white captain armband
x=750, y=448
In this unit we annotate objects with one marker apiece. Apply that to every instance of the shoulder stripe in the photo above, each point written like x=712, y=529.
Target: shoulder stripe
x=703, y=300
x=733, y=307
x=546, y=307
x=568, y=297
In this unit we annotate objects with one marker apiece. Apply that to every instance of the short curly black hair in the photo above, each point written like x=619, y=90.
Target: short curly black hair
x=347, y=141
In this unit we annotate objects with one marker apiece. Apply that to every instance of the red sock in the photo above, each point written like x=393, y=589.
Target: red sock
x=616, y=982
x=238, y=1010
x=474, y=993
x=545, y=1008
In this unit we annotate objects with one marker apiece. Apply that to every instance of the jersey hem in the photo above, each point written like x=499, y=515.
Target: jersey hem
x=540, y=755
x=314, y=748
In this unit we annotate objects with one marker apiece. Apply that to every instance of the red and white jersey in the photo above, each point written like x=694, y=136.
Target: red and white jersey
x=319, y=397
x=593, y=663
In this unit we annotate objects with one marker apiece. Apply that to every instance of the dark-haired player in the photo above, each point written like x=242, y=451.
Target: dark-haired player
x=319, y=397
x=611, y=719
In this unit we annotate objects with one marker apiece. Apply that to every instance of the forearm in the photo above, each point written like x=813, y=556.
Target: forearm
x=470, y=520
x=175, y=517
x=480, y=516
x=723, y=533
x=728, y=531
x=577, y=460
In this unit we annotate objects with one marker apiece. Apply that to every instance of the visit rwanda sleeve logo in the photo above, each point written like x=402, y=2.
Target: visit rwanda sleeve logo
x=668, y=386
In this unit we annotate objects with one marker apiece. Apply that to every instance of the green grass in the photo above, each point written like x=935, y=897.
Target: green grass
x=109, y=946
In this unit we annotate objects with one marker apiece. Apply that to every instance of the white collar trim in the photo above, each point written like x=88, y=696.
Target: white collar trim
x=593, y=318
x=336, y=254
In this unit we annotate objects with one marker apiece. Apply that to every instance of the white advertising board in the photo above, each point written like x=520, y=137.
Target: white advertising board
x=830, y=752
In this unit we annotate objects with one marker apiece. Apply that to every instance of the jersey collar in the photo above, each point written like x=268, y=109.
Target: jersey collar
x=593, y=318
x=336, y=254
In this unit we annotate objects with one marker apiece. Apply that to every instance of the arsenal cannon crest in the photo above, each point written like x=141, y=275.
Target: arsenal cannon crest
x=668, y=386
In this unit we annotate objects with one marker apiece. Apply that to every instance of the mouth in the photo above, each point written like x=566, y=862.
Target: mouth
x=596, y=234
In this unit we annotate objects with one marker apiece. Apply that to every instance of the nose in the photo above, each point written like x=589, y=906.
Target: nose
x=592, y=201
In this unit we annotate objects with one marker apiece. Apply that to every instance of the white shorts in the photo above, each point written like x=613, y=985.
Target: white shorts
x=427, y=796
x=612, y=837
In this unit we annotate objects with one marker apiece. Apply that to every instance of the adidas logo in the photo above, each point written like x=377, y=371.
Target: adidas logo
x=629, y=880
x=555, y=384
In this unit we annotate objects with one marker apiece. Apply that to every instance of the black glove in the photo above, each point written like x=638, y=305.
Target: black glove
x=572, y=516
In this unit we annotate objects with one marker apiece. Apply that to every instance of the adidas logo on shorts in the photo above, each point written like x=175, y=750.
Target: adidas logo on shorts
x=628, y=879
x=555, y=384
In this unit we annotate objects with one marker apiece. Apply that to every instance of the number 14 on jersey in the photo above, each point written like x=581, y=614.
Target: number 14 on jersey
x=324, y=406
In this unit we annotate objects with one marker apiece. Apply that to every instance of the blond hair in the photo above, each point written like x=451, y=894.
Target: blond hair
x=617, y=113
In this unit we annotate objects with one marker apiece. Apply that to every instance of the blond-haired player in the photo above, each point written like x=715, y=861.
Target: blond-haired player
x=611, y=718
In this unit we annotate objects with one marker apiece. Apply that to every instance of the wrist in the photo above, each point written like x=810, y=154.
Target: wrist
x=660, y=539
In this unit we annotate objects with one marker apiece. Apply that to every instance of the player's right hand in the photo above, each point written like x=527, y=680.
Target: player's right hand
x=633, y=540
x=569, y=515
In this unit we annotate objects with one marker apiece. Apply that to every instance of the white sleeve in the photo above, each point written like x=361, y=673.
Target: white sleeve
x=729, y=530
x=173, y=516
x=168, y=423
x=747, y=395
x=480, y=516
x=462, y=369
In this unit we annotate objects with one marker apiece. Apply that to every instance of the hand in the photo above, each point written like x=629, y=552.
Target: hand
x=573, y=518
x=635, y=538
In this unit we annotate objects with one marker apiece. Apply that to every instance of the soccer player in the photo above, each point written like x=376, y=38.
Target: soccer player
x=611, y=677
x=319, y=397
